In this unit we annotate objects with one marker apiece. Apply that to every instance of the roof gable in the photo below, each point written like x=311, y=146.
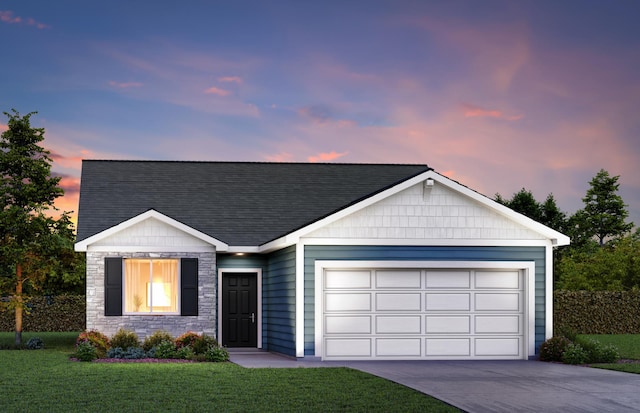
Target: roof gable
x=236, y=203
x=150, y=229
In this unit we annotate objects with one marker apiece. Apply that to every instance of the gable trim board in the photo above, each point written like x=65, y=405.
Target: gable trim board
x=407, y=225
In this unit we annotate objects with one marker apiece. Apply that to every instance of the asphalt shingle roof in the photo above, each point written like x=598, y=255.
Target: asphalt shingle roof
x=239, y=203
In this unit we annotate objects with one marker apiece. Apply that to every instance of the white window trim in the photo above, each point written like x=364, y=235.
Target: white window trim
x=153, y=313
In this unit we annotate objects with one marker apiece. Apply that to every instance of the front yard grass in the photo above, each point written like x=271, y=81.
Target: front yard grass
x=46, y=380
x=629, y=347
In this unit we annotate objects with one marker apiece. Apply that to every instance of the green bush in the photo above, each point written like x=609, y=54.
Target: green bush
x=155, y=339
x=96, y=339
x=217, y=354
x=597, y=312
x=125, y=339
x=598, y=352
x=85, y=351
x=553, y=349
x=164, y=350
x=575, y=354
x=202, y=344
x=49, y=313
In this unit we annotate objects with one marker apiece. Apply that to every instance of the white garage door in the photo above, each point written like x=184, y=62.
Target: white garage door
x=423, y=313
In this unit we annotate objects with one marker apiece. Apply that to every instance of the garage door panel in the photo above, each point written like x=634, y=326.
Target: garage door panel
x=347, y=302
x=497, y=302
x=398, y=347
x=498, y=324
x=448, y=279
x=448, y=324
x=347, y=279
x=348, y=324
x=448, y=302
x=497, y=346
x=398, y=324
x=498, y=279
x=423, y=313
x=448, y=347
x=348, y=347
x=398, y=279
x=398, y=302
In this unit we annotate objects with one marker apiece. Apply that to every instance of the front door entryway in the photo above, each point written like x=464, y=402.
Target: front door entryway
x=239, y=309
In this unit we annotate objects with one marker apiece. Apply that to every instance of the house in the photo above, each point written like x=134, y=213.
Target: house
x=321, y=261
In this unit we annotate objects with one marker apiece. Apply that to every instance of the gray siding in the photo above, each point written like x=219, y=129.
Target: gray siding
x=416, y=253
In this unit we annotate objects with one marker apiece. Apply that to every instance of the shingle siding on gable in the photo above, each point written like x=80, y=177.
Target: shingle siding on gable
x=418, y=253
x=152, y=232
x=436, y=213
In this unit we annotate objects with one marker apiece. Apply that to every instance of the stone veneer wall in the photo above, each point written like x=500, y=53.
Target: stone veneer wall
x=144, y=325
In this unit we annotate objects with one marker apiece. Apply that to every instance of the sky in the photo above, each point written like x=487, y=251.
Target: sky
x=498, y=95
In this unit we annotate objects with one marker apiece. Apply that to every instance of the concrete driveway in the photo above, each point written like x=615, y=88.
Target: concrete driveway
x=494, y=386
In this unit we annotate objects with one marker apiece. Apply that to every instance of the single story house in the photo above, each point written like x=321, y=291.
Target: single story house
x=321, y=261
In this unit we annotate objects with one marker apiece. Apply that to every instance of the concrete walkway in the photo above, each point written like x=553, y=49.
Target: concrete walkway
x=492, y=386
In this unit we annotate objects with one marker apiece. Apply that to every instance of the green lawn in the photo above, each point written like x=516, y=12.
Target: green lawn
x=627, y=344
x=45, y=380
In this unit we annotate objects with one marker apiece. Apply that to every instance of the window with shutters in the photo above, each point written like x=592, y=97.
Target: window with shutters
x=151, y=286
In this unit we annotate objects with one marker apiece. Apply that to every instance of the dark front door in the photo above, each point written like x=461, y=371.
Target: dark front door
x=239, y=309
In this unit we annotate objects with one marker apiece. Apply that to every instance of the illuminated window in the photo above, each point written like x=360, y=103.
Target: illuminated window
x=151, y=286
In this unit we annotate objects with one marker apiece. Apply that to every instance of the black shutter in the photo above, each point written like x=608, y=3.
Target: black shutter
x=189, y=286
x=113, y=286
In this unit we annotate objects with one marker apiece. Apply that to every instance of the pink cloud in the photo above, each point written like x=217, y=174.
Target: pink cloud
x=230, y=79
x=124, y=85
x=217, y=91
x=326, y=157
x=7, y=16
x=3, y=127
x=472, y=111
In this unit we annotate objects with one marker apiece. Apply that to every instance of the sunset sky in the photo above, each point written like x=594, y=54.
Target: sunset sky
x=498, y=95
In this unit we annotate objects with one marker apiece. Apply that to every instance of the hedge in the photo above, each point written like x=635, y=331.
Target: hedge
x=49, y=313
x=597, y=312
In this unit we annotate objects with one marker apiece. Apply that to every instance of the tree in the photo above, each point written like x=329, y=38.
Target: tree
x=31, y=242
x=605, y=212
x=546, y=213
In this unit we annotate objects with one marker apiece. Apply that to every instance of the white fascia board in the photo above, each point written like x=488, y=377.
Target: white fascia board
x=152, y=213
x=556, y=237
x=444, y=242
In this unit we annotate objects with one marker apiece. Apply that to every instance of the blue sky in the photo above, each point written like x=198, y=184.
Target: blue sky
x=498, y=95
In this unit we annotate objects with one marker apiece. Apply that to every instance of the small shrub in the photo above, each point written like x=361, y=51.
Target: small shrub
x=552, y=349
x=575, y=354
x=217, y=354
x=599, y=352
x=165, y=350
x=135, y=353
x=185, y=353
x=187, y=339
x=115, y=353
x=98, y=340
x=202, y=344
x=125, y=339
x=85, y=351
x=35, y=343
x=155, y=339
x=568, y=333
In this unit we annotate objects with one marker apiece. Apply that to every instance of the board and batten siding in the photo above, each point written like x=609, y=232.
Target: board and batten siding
x=419, y=253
